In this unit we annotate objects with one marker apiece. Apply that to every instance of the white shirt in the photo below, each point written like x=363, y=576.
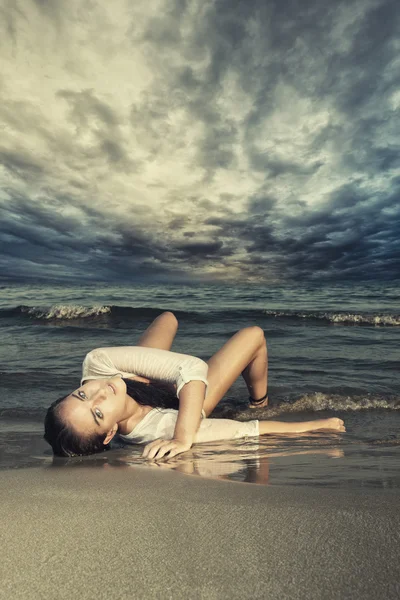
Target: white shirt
x=162, y=365
x=160, y=423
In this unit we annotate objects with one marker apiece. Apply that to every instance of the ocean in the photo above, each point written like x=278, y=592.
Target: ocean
x=333, y=351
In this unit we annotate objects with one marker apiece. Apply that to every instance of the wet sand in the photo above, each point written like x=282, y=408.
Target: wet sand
x=149, y=533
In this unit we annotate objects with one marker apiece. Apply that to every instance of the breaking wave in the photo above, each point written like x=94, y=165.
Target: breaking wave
x=344, y=318
x=57, y=312
x=319, y=401
x=69, y=312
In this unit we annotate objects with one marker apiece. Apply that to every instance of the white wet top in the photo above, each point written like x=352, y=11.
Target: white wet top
x=162, y=365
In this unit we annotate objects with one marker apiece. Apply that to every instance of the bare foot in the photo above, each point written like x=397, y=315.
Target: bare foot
x=333, y=423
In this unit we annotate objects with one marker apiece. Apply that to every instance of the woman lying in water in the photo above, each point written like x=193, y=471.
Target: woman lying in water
x=149, y=395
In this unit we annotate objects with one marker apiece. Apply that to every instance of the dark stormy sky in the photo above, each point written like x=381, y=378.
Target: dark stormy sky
x=244, y=140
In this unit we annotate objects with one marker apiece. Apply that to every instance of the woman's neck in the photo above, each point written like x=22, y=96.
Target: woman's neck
x=134, y=414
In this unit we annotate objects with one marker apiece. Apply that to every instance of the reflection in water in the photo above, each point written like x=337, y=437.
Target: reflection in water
x=252, y=468
x=368, y=456
x=238, y=460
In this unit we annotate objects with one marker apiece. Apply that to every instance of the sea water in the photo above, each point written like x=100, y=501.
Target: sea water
x=333, y=351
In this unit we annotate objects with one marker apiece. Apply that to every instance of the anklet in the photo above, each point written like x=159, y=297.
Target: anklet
x=257, y=402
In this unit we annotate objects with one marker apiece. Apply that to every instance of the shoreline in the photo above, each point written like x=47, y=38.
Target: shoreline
x=152, y=533
x=327, y=461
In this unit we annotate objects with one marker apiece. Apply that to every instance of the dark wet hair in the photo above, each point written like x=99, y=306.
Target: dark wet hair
x=155, y=394
x=65, y=441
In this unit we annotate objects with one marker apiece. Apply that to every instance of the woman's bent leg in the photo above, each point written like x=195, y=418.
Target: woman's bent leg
x=245, y=353
x=161, y=333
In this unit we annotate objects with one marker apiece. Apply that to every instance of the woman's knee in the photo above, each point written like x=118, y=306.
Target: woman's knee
x=170, y=318
x=256, y=333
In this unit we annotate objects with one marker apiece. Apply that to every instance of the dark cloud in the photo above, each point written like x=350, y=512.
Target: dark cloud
x=365, y=69
x=20, y=164
x=274, y=167
x=260, y=136
x=84, y=106
x=85, y=245
x=198, y=249
x=261, y=204
x=347, y=239
x=95, y=119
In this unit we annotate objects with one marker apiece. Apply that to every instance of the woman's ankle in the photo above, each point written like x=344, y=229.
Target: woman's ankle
x=258, y=402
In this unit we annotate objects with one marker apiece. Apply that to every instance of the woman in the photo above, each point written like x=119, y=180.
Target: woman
x=134, y=391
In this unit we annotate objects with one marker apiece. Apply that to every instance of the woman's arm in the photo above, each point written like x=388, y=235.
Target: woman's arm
x=151, y=363
x=190, y=406
x=188, y=373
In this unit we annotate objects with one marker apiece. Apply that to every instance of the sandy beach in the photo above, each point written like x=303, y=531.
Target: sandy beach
x=148, y=533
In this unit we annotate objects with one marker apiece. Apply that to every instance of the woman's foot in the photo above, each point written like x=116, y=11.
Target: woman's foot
x=333, y=423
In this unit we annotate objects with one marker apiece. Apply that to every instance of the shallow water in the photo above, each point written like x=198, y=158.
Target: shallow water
x=319, y=459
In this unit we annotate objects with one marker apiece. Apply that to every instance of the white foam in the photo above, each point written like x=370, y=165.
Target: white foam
x=318, y=401
x=364, y=319
x=345, y=318
x=67, y=312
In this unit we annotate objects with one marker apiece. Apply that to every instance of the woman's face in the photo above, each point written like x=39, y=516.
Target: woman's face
x=96, y=406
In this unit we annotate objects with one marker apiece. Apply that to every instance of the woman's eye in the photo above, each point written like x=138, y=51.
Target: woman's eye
x=98, y=413
x=82, y=394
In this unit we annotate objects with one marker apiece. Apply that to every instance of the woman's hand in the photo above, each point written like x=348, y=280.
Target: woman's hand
x=138, y=378
x=160, y=448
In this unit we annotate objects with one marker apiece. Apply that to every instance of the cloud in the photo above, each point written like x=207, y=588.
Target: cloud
x=187, y=139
